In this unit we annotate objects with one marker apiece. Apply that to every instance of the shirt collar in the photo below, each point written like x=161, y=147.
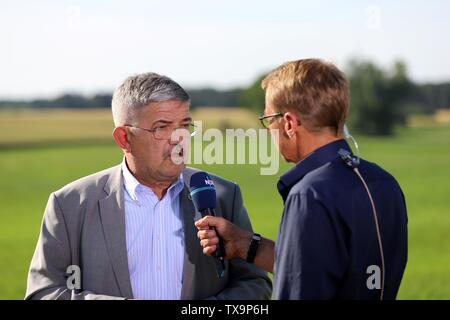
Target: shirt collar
x=132, y=184
x=314, y=160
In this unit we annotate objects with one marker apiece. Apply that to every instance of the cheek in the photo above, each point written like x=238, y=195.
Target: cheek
x=278, y=138
x=150, y=150
x=282, y=144
x=157, y=150
x=282, y=147
x=274, y=134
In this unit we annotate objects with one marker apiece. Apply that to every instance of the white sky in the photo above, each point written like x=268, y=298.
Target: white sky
x=51, y=47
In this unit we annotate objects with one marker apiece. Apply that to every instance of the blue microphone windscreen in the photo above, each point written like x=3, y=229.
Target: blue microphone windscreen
x=202, y=190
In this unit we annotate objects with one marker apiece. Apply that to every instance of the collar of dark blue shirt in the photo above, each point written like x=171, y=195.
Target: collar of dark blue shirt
x=314, y=160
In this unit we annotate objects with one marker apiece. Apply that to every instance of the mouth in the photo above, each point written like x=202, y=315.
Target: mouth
x=177, y=152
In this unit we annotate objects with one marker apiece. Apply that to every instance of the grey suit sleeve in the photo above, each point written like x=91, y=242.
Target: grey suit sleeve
x=247, y=282
x=47, y=275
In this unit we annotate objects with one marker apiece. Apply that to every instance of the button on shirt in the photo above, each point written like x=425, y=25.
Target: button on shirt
x=327, y=237
x=155, y=239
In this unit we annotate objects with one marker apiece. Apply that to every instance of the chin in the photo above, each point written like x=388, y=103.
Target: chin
x=290, y=158
x=174, y=170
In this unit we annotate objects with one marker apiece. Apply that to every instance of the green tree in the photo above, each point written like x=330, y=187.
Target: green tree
x=376, y=97
x=253, y=96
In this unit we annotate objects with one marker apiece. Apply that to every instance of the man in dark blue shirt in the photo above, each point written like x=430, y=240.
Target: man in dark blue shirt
x=327, y=239
x=343, y=232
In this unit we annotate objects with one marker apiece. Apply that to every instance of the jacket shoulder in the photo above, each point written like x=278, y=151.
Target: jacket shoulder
x=88, y=184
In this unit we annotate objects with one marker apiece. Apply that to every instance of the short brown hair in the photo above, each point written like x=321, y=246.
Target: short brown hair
x=314, y=90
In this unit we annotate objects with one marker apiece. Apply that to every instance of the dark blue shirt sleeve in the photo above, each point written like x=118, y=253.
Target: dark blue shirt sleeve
x=313, y=257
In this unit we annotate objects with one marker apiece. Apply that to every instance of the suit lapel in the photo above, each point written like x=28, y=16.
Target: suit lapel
x=112, y=214
x=192, y=247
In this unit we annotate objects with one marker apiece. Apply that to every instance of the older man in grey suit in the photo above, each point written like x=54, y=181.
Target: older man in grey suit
x=128, y=231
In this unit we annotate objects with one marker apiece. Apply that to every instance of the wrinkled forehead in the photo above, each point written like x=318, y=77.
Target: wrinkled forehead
x=169, y=111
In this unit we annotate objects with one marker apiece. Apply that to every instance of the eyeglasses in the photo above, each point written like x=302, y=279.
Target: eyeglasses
x=267, y=120
x=165, y=132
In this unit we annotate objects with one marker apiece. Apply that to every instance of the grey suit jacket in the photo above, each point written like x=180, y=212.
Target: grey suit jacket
x=84, y=225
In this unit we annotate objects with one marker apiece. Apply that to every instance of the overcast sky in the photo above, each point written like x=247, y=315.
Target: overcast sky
x=51, y=47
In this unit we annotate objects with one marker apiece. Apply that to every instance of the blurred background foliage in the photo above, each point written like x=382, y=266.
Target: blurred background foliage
x=380, y=98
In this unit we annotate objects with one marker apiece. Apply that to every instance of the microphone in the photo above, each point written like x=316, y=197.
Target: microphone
x=203, y=194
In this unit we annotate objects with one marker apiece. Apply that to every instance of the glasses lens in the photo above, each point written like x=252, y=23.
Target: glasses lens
x=265, y=122
x=165, y=133
x=162, y=133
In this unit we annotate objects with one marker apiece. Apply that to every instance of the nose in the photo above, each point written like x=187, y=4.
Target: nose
x=178, y=135
x=175, y=139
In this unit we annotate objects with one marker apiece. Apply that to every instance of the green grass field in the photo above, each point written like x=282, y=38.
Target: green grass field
x=39, y=155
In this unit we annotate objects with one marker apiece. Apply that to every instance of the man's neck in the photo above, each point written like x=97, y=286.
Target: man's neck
x=314, y=142
x=159, y=188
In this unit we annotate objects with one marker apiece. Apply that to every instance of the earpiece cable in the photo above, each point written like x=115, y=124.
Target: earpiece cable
x=354, y=166
x=377, y=228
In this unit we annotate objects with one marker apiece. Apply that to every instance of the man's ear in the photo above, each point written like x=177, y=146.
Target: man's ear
x=122, y=138
x=290, y=124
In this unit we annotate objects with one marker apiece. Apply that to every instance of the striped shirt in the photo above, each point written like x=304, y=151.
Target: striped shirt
x=155, y=239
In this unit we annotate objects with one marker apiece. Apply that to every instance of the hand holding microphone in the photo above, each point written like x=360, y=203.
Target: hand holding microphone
x=212, y=230
x=203, y=195
x=221, y=238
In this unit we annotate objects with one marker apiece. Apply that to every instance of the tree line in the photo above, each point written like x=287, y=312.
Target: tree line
x=380, y=98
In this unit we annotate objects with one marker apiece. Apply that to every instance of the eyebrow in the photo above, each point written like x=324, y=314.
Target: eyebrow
x=169, y=122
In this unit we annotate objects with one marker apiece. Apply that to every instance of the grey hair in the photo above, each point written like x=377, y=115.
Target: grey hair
x=138, y=91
